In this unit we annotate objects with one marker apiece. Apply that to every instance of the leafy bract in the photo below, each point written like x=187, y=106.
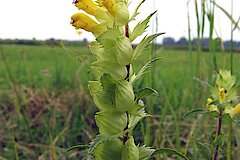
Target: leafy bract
x=136, y=11
x=98, y=50
x=115, y=70
x=107, y=148
x=144, y=44
x=145, y=152
x=103, y=92
x=111, y=122
x=140, y=28
x=143, y=70
x=134, y=119
x=124, y=50
x=145, y=92
x=124, y=96
x=122, y=14
x=130, y=150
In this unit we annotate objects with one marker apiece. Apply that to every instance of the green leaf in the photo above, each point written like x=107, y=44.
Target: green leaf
x=106, y=147
x=124, y=96
x=124, y=50
x=145, y=152
x=136, y=11
x=170, y=151
x=81, y=146
x=140, y=28
x=111, y=122
x=130, y=150
x=195, y=111
x=146, y=92
x=116, y=71
x=143, y=70
x=144, y=44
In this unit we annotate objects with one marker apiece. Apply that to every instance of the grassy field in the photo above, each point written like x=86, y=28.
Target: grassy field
x=45, y=107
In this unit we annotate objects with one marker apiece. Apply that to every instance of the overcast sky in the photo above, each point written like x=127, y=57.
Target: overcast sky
x=44, y=19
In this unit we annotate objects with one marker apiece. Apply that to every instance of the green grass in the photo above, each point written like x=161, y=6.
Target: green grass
x=56, y=109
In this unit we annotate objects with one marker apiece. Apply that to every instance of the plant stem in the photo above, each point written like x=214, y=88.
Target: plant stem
x=218, y=133
x=126, y=136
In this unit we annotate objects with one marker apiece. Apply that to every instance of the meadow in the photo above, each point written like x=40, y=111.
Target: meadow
x=45, y=106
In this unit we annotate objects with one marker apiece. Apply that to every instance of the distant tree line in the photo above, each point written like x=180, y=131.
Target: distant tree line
x=168, y=42
x=50, y=42
x=183, y=43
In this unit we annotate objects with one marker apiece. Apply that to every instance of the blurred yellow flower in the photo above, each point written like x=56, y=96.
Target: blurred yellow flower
x=87, y=5
x=222, y=93
x=82, y=21
x=233, y=111
x=211, y=107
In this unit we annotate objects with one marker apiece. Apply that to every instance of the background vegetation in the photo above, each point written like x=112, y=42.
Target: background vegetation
x=45, y=107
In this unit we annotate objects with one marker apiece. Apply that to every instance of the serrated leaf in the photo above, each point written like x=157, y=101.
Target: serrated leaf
x=111, y=122
x=144, y=44
x=136, y=11
x=134, y=119
x=106, y=148
x=170, y=151
x=124, y=50
x=145, y=152
x=146, y=92
x=101, y=139
x=115, y=70
x=194, y=112
x=140, y=28
x=130, y=150
x=143, y=70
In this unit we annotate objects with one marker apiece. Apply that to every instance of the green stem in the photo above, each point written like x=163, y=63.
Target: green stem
x=126, y=136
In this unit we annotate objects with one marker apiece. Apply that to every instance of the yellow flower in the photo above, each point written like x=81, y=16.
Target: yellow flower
x=82, y=21
x=233, y=111
x=211, y=107
x=222, y=94
x=110, y=5
x=87, y=5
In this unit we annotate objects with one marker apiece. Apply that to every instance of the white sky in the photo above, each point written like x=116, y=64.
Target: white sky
x=45, y=19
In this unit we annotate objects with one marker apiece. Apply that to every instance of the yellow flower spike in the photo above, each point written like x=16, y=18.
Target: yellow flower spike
x=87, y=5
x=110, y=5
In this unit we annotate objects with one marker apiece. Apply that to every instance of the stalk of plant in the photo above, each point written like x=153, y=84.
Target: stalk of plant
x=120, y=107
x=222, y=104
